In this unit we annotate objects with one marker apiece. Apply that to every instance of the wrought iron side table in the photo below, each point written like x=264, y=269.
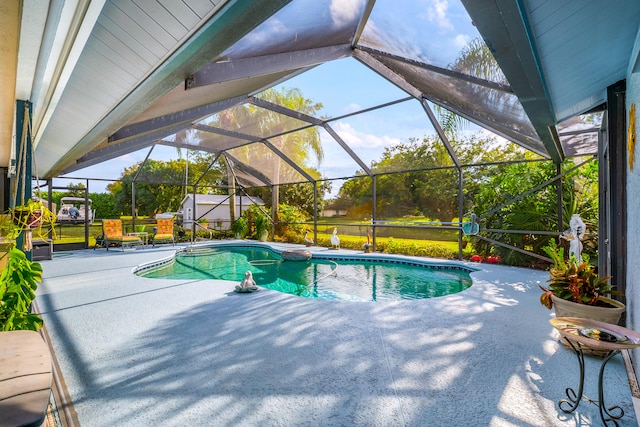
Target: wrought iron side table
x=581, y=333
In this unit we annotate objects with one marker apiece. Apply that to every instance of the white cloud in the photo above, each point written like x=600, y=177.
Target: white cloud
x=361, y=140
x=368, y=147
x=345, y=11
x=461, y=40
x=437, y=13
x=353, y=107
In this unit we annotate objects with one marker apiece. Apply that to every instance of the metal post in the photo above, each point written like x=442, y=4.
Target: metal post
x=21, y=182
x=193, y=216
x=315, y=211
x=460, y=209
x=133, y=205
x=50, y=199
x=373, y=211
x=616, y=118
x=604, y=207
x=274, y=202
x=274, y=213
x=559, y=191
x=87, y=212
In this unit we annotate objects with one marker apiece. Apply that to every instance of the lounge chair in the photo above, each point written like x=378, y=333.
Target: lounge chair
x=163, y=232
x=112, y=235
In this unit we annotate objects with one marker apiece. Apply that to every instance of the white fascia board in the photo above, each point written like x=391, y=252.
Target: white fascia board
x=83, y=18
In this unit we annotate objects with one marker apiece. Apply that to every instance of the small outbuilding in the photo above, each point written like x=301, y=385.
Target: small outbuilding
x=215, y=208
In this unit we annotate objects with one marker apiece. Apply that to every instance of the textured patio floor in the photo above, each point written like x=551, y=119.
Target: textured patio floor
x=141, y=352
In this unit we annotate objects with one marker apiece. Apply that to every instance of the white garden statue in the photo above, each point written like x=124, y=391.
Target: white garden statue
x=575, y=235
x=248, y=284
x=335, y=240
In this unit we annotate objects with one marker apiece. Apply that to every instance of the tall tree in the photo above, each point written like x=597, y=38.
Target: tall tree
x=426, y=181
x=159, y=185
x=302, y=147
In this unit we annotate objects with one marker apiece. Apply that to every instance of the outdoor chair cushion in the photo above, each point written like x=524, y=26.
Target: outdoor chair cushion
x=163, y=232
x=112, y=230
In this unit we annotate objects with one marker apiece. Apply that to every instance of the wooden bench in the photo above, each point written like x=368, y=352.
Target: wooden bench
x=25, y=379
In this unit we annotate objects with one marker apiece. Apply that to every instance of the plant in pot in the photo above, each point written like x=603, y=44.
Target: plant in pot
x=204, y=223
x=262, y=227
x=19, y=278
x=240, y=227
x=576, y=290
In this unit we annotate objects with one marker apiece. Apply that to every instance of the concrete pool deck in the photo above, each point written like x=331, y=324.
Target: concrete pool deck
x=141, y=352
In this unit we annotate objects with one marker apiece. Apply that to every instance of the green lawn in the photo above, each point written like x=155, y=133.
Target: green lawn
x=441, y=243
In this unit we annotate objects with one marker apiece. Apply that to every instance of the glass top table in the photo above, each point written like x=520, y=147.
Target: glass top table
x=584, y=333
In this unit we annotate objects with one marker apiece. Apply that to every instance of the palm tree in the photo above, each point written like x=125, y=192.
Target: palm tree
x=298, y=146
x=301, y=146
x=475, y=60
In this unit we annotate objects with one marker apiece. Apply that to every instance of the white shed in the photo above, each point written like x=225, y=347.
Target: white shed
x=215, y=208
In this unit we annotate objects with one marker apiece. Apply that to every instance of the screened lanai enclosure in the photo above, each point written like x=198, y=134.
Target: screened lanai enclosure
x=365, y=115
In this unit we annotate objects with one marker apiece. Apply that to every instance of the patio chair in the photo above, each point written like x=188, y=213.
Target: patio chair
x=112, y=235
x=163, y=232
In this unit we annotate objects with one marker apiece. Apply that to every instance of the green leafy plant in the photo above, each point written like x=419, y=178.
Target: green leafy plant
x=573, y=280
x=18, y=284
x=240, y=227
x=262, y=225
x=33, y=215
x=20, y=276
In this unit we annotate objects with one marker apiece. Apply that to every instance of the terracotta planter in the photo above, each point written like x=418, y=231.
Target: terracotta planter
x=612, y=315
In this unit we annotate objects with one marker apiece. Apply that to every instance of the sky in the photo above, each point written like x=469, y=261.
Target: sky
x=432, y=31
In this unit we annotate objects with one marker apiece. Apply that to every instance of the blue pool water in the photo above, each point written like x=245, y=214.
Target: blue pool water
x=319, y=278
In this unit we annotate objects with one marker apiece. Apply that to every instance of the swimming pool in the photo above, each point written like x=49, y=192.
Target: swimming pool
x=322, y=277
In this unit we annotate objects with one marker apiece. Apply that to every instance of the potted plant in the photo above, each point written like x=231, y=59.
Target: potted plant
x=204, y=223
x=33, y=214
x=20, y=276
x=240, y=227
x=262, y=227
x=576, y=290
x=18, y=284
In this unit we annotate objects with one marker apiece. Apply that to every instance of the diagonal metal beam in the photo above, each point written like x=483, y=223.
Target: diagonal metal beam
x=251, y=138
x=112, y=151
x=533, y=190
x=189, y=115
x=363, y=22
x=399, y=81
x=188, y=146
x=444, y=71
x=135, y=178
x=288, y=160
x=231, y=23
x=284, y=110
x=348, y=149
x=237, y=163
x=213, y=162
x=378, y=67
x=218, y=72
x=440, y=132
x=225, y=132
x=505, y=30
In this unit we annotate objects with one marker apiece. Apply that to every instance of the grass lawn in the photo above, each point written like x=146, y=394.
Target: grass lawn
x=353, y=234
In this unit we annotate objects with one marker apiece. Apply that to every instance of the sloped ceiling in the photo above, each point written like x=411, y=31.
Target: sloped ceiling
x=117, y=73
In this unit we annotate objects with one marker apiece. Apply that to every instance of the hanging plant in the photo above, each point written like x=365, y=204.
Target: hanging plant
x=32, y=215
